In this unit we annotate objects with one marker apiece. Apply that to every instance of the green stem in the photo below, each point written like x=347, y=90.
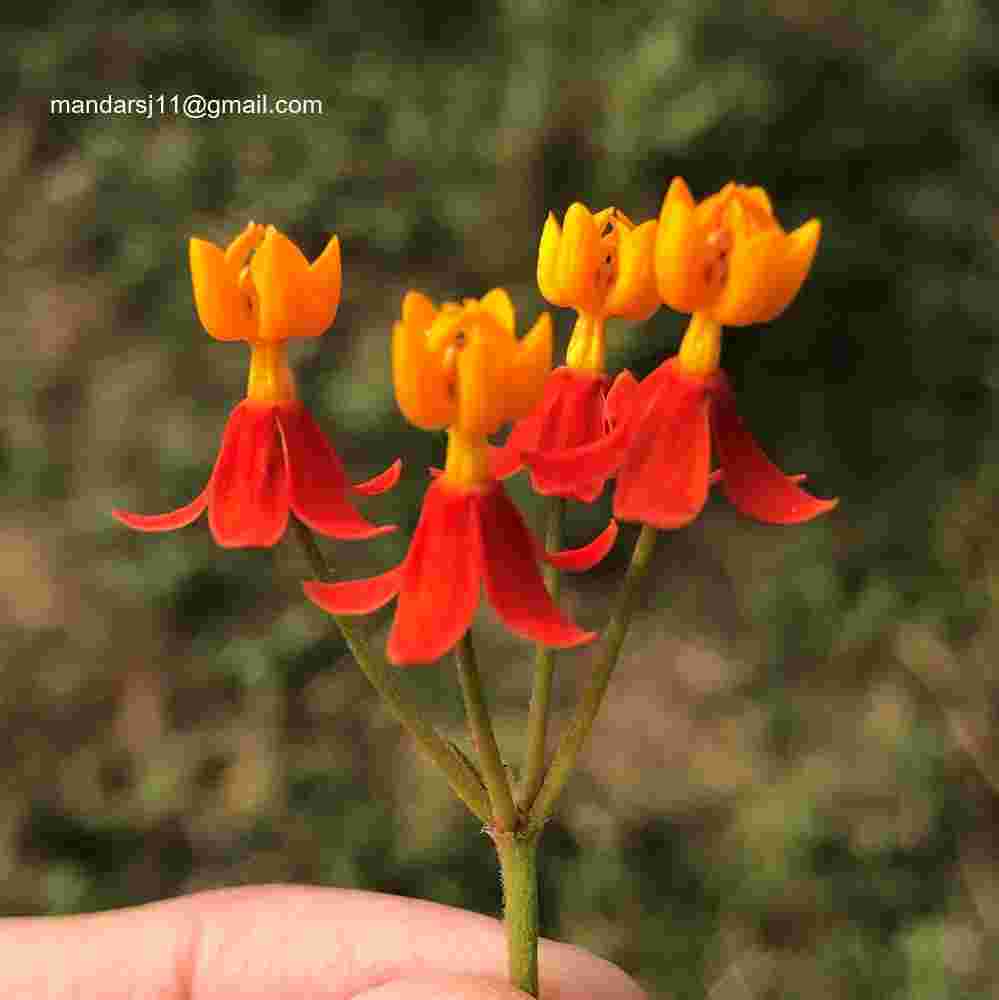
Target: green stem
x=589, y=704
x=460, y=776
x=504, y=812
x=544, y=665
x=518, y=858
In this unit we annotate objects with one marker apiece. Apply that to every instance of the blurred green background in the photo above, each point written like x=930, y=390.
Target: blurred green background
x=793, y=789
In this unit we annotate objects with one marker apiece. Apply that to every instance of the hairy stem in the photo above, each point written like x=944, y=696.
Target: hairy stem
x=518, y=858
x=504, y=812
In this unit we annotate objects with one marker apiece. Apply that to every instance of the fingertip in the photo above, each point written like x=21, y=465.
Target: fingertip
x=569, y=972
x=442, y=988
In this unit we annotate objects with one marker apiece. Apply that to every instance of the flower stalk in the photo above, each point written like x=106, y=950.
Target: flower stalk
x=516, y=850
x=494, y=773
x=518, y=858
x=460, y=776
x=544, y=666
x=574, y=738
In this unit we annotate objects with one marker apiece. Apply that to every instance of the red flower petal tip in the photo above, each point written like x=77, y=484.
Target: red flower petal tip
x=381, y=483
x=584, y=558
x=354, y=597
x=753, y=484
x=170, y=521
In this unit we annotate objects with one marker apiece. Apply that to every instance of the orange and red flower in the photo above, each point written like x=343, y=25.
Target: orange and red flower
x=727, y=261
x=461, y=367
x=601, y=265
x=660, y=450
x=274, y=459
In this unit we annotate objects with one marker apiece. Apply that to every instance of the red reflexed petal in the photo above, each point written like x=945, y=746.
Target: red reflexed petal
x=575, y=415
x=575, y=469
x=165, y=522
x=441, y=578
x=381, y=483
x=318, y=482
x=570, y=415
x=664, y=479
x=354, y=597
x=630, y=399
x=751, y=481
x=533, y=431
x=716, y=477
x=574, y=419
x=513, y=581
x=505, y=460
x=622, y=398
x=249, y=490
x=584, y=558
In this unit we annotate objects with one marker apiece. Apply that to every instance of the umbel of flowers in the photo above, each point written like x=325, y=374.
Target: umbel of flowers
x=460, y=368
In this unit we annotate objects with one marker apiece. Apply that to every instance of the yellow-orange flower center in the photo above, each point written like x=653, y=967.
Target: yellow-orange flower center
x=587, y=350
x=728, y=256
x=700, y=350
x=467, y=463
x=462, y=367
x=610, y=222
x=270, y=379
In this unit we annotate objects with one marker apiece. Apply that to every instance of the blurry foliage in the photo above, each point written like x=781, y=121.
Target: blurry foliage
x=177, y=718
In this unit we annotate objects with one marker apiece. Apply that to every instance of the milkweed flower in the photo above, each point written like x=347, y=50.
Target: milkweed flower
x=461, y=367
x=601, y=265
x=728, y=261
x=727, y=257
x=274, y=458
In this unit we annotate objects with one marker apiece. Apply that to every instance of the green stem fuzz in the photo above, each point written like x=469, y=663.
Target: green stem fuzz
x=518, y=858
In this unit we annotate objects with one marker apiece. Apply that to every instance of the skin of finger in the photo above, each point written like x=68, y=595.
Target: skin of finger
x=279, y=942
x=443, y=988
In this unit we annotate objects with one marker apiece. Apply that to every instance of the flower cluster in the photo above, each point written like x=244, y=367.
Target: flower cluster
x=461, y=367
x=727, y=261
